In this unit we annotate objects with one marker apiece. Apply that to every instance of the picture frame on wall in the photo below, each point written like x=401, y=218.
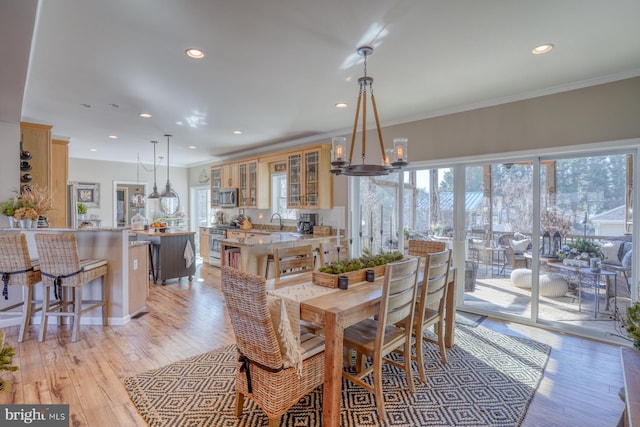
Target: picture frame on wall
x=89, y=194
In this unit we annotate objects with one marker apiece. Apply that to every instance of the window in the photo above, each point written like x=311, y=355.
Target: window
x=279, y=196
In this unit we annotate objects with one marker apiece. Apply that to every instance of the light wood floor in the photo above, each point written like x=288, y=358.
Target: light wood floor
x=580, y=385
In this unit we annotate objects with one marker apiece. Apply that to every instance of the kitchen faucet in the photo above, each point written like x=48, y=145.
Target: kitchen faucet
x=279, y=216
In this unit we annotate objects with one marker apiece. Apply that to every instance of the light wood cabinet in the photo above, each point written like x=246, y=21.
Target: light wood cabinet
x=49, y=167
x=138, y=277
x=204, y=243
x=253, y=188
x=309, y=182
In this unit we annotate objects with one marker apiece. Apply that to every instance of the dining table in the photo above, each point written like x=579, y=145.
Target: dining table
x=336, y=309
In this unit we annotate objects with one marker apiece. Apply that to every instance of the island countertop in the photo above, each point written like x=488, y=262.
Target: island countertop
x=274, y=238
x=166, y=233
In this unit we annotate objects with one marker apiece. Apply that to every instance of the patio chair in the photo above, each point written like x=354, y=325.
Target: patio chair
x=513, y=258
x=261, y=374
x=377, y=338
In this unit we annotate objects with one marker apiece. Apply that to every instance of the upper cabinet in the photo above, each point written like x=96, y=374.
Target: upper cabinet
x=309, y=181
x=223, y=176
x=253, y=188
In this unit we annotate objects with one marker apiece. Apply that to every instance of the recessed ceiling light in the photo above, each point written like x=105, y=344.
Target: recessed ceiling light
x=194, y=53
x=543, y=48
x=115, y=105
x=92, y=149
x=86, y=105
x=193, y=147
x=144, y=115
x=113, y=136
x=237, y=132
x=341, y=105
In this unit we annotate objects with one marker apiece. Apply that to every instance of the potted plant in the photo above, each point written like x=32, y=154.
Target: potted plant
x=354, y=268
x=6, y=353
x=82, y=210
x=39, y=198
x=25, y=216
x=8, y=208
x=579, y=252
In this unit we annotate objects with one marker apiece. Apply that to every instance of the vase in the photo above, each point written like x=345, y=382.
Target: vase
x=81, y=216
x=24, y=223
x=12, y=222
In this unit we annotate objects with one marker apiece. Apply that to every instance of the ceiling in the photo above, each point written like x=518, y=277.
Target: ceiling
x=275, y=69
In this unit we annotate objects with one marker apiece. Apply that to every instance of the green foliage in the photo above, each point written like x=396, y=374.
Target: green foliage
x=6, y=353
x=633, y=324
x=9, y=207
x=82, y=208
x=367, y=260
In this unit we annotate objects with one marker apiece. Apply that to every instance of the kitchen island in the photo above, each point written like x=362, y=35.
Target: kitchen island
x=250, y=254
x=127, y=288
x=173, y=253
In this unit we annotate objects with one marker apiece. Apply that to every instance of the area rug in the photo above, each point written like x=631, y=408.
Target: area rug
x=489, y=381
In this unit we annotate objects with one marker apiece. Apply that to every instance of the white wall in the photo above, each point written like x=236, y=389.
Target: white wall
x=106, y=173
x=9, y=164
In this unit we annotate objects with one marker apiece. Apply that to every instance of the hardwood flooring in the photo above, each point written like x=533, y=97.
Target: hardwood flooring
x=579, y=388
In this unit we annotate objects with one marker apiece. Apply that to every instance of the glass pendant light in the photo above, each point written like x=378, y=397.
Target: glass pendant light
x=169, y=200
x=154, y=194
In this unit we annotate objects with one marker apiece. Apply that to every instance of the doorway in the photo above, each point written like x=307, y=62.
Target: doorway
x=130, y=199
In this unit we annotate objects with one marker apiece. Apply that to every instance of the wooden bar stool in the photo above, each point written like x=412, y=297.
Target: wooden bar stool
x=62, y=269
x=16, y=268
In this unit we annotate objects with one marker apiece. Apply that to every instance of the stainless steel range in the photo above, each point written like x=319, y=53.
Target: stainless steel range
x=216, y=235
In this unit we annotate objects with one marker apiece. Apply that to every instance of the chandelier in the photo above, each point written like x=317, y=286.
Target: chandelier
x=392, y=159
x=169, y=200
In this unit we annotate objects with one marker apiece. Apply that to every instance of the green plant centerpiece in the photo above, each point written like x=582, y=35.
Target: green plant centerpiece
x=8, y=207
x=579, y=252
x=354, y=268
x=82, y=209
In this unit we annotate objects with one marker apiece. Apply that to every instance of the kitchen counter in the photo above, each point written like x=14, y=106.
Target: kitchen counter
x=250, y=254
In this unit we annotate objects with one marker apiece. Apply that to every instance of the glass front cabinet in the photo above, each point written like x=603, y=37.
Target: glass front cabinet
x=309, y=181
x=248, y=189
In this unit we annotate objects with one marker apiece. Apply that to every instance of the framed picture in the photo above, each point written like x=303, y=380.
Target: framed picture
x=89, y=194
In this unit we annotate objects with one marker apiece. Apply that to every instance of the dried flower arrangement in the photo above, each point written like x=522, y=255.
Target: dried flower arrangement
x=556, y=220
x=26, y=213
x=39, y=198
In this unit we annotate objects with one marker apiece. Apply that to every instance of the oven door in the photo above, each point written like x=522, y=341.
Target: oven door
x=215, y=249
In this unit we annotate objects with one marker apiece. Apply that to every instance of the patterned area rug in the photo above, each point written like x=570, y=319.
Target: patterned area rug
x=489, y=381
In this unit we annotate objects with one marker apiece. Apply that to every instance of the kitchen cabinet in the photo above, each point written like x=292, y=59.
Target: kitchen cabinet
x=309, y=182
x=222, y=176
x=204, y=243
x=49, y=168
x=253, y=184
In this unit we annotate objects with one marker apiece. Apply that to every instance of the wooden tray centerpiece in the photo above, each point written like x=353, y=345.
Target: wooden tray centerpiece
x=355, y=269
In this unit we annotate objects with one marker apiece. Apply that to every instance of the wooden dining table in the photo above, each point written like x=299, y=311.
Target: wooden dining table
x=338, y=310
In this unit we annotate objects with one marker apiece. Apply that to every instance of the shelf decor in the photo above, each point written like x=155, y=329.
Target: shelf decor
x=89, y=194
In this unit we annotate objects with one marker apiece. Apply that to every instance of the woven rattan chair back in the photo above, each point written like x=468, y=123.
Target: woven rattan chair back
x=431, y=305
x=422, y=247
x=294, y=260
x=260, y=373
x=16, y=270
x=246, y=300
x=61, y=269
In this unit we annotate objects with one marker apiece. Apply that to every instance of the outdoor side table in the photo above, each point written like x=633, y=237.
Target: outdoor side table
x=596, y=285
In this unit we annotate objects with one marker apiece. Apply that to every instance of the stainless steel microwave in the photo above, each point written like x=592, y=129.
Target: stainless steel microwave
x=228, y=197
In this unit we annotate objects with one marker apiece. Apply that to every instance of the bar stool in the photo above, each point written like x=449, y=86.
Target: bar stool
x=62, y=269
x=16, y=268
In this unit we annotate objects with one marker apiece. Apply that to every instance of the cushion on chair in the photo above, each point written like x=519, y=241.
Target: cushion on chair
x=611, y=250
x=520, y=246
x=521, y=278
x=626, y=261
x=552, y=285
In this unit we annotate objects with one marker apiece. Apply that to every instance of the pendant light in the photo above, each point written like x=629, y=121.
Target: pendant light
x=169, y=200
x=392, y=159
x=154, y=194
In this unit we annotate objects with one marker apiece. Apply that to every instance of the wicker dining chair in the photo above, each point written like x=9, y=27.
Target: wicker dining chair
x=293, y=260
x=17, y=269
x=261, y=375
x=422, y=247
x=63, y=271
x=431, y=306
x=377, y=338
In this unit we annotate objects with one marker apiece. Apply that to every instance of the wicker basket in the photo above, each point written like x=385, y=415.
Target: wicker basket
x=331, y=280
